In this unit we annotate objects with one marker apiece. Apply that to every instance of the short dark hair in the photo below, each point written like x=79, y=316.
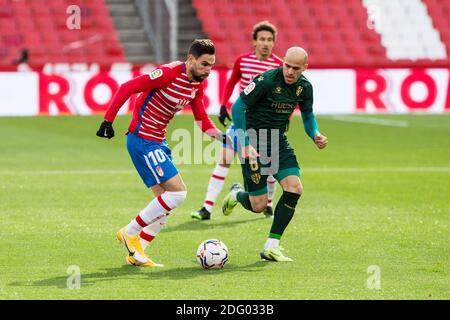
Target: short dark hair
x=264, y=26
x=200, y=47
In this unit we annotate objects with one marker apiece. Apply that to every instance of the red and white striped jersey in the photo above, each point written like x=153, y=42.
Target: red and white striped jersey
x=164, y=92
x=246, y=68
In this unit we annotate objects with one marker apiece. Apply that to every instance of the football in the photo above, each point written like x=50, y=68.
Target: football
x=212, y=254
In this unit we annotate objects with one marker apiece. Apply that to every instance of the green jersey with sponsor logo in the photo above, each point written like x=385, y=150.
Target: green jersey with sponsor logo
x=270, y=101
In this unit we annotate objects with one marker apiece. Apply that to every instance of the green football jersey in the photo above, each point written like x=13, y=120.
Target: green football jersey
x=270, y=101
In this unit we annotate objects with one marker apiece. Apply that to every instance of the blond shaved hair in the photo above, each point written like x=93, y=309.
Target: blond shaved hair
x=297, y=53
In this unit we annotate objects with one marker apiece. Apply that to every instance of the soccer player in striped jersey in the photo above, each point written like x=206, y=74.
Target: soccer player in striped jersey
x=246, y=68
x=164, y=91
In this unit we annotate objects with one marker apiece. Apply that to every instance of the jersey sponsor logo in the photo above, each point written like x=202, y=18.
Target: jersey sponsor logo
x=299, y=90
x=249, y=88
x=156, y=74
x=283, y=107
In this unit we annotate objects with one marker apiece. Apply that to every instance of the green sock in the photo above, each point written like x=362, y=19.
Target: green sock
x=284, y=211
x=244, y=199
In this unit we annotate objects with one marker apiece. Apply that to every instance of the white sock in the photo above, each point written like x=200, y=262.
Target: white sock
x=271, y=186
x=271, y=243
x=215, y=185
x=148, y=233
x=234, y=194
x=133, y=228
x=156, y=210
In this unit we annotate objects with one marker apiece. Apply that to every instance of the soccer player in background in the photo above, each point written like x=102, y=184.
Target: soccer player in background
x=246, y=67
x=164, y=91
x=267, y=103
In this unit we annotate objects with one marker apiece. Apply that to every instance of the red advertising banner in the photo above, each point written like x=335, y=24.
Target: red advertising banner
x=336, y=91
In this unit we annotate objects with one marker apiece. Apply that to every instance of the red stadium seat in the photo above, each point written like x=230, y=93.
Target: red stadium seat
x=40, y=26
x=335, y=32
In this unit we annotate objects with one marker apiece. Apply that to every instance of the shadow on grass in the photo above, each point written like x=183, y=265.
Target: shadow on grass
x=133, y=273
x=195, y=225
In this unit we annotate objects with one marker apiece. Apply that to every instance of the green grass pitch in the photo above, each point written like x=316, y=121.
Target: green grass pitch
x=378, y=198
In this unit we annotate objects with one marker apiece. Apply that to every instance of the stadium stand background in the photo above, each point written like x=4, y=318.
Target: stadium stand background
x=336, y=33
x=40, y=26
x=111, y=31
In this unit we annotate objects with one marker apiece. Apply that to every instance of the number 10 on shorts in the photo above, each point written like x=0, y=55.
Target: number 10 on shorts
x=157, y=156
x=154, y=159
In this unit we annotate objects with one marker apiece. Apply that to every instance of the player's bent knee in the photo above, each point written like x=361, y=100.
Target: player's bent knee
x=174, y=198
x=297, y=188
x=258, y=205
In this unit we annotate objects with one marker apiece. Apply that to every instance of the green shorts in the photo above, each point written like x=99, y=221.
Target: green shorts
x=255, y=179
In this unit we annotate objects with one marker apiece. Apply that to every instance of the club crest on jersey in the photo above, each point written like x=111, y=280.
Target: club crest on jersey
x=156, y=74
x=256, y=178
x=249, y=88
x=299, y=90
x=260, y=78
x=159, y=171
x=278, y=90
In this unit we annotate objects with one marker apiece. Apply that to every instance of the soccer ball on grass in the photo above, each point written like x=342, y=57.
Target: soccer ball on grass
x=212, y=254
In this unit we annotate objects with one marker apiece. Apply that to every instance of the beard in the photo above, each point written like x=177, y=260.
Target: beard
x=198, y=77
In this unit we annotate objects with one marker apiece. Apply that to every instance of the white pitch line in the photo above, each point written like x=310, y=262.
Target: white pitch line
x=376, y=121
x=192, y=170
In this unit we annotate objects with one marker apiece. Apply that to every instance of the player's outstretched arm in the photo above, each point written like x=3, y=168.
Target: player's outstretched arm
x=312, y=130
x=156, y=79
x=123, y=93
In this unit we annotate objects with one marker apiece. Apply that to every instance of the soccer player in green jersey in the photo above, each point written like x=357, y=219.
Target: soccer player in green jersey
x=261, y=115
